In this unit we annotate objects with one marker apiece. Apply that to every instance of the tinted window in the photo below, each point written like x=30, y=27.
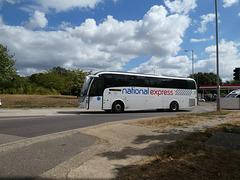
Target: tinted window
x=178, y=83
x=96, y=87
x=113, y=80
x=140, y=81
x=85, y=86
x=191, y=84
x=172, y=83
x=231, y=95
x=168, y=83
x=156, y=82
x=108, y=80
x=122, y=80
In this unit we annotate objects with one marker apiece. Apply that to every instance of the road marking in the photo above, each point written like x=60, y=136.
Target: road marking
x=6, y=139
x=19, y=117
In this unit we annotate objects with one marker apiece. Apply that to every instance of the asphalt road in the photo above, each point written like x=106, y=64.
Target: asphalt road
x=28, y=127
x=28, y=162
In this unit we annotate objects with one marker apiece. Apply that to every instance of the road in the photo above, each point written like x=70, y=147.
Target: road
x=15, y=128
x=31, y=160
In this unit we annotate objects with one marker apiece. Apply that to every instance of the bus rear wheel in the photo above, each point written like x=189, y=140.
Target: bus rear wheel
x=117, y=107
x=174, y=106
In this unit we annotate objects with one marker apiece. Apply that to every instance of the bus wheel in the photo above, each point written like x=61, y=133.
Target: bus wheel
x=174, y=106
x=117, y=107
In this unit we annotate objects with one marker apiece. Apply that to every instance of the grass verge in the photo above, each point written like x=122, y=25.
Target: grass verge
x=190, y=158
x=182, y=120
x=37, y=101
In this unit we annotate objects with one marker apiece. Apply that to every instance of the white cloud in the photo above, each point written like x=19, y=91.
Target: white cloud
x=198, y=40
x=107, y=46
x=229, y=58
x=229, y=3
x=65, y=25
x=171, y=66
x=181, y=6
x=62, y=5
x=9, y=1
x=37, y=20
x=57, y=5
x=152, y=35
x=13, y=1
x=205, y=20
x=201, y=40
x=1, y=20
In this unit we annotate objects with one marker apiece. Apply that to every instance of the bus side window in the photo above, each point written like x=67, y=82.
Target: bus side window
x=156, y=82
x=108, y=81
x=96, y=87
x=141, y=81
x=191, y=84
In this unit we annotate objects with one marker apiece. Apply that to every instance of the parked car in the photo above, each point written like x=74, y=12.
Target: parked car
x=234, y=94
x=201, y=100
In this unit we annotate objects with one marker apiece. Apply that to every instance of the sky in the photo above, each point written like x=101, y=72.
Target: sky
x=144, y=36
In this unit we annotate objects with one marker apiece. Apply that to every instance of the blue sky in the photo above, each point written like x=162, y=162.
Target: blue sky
x=146, y=36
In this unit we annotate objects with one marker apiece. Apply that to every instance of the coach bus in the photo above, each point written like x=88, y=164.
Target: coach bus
x=118, y=91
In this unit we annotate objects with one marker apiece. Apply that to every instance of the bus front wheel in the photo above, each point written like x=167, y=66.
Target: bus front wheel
x=174, y=106
x=117, y=107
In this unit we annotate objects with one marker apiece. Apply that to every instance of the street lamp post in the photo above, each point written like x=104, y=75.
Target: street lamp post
x=192, y=60
x=217, y=58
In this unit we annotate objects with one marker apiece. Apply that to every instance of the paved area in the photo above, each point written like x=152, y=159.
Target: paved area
x=5, y=112
x=113, y=146
x=38, y=157
x=120, y=144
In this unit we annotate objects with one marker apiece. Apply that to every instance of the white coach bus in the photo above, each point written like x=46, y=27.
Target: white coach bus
x=117, y=91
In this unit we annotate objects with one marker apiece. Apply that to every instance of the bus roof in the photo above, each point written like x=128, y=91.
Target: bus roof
x=140, y=74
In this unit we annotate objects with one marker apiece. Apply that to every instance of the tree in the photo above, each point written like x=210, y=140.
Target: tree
x=51, y=80
x=76, y=79
x=59, y=70
x=232, y=82
x=7, y=71
x=60, y=79
x=205, y=78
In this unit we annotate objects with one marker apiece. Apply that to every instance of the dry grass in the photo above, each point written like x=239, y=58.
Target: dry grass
x=181, y=120
x=190, y=158
x=37, y=101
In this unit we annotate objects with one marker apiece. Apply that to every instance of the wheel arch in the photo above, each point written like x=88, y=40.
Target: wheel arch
x=120, y=101
x=174, y=101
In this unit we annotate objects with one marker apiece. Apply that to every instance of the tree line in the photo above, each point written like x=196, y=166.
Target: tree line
x=57, y=80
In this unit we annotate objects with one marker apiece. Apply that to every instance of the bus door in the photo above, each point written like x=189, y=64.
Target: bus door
x=95, y=100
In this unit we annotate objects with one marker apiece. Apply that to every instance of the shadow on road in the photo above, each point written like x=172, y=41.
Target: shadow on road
x=156, y=143
x=125, y=112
